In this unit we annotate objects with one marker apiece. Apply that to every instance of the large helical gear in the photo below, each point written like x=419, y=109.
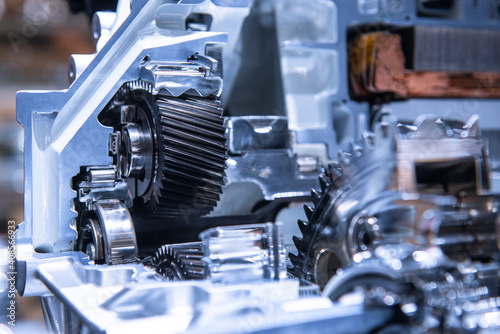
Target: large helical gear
x=191, y=148
x=362, y=204
x=185, y=167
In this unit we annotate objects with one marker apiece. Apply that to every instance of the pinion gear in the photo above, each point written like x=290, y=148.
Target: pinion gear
x=180, y=261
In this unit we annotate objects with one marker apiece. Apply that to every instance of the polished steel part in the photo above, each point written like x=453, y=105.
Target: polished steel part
x=404, y=231
x=91, y=240
x=430, y=291
x=73, y=137
x=406, y=224
x=168, y=146
x=112, y=237
x=134, y=160
x=128, y=298
x=238, y=254
x=191, y=156
x=397, y=185
x=228, y=255
x=180, y=261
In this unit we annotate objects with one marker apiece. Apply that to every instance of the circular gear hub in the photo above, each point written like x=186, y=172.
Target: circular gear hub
x=361, y=175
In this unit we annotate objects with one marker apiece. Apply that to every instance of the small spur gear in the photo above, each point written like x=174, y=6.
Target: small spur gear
x=180, y=261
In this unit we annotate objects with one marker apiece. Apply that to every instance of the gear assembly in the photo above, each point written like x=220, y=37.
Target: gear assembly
x=268, y=166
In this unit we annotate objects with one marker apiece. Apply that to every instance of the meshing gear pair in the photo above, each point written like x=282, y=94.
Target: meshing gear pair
x=168, y=160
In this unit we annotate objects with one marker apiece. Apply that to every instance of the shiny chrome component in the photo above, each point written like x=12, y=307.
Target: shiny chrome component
x=130, y=299
x=180, y=261
x=402, y=222
x=91, y=240
x=431, y=292
x=107, y=233
x=244, y=253
x=99, y=176
x=227, y=255
x=148, y=148
x=175, y=79
x=134, y=159
x=417, y=184
x=456, y=157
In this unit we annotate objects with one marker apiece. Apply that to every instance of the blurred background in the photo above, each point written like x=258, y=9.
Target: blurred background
x=36, y=39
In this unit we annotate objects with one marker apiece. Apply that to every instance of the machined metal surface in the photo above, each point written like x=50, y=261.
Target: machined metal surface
x=218, y=117
x=400, y=202
x=128, y=298
x=239, y=254
x=108, y=234
x=384, y=187
x=180, y=261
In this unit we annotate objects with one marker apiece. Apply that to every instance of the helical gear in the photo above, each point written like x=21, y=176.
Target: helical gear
x=191, y=148
x=188, y=155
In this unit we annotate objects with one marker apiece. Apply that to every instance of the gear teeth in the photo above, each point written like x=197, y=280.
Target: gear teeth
x=472, y=127
x=334, y=170
x=297, y=260
x=299, y=244
x=429, y=127
x=344, y=159
x=385, y=129
x=309, y=211
x=316, y=232
x=316, y=196
x=303, y=226
x=324, y=182
x=192, y=152
x=326, y=227
x=355, y=149
x=139, y=85
x=368, y=140
x=180, y=261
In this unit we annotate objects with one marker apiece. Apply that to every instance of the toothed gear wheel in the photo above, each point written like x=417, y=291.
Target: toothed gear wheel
x=191, y=148
x=345, y=189
x=359, y=203
x=180, y=261
x=171, y=151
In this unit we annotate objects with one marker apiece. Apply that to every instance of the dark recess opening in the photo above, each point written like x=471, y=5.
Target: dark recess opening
x=447, y=176
x=199, y=22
